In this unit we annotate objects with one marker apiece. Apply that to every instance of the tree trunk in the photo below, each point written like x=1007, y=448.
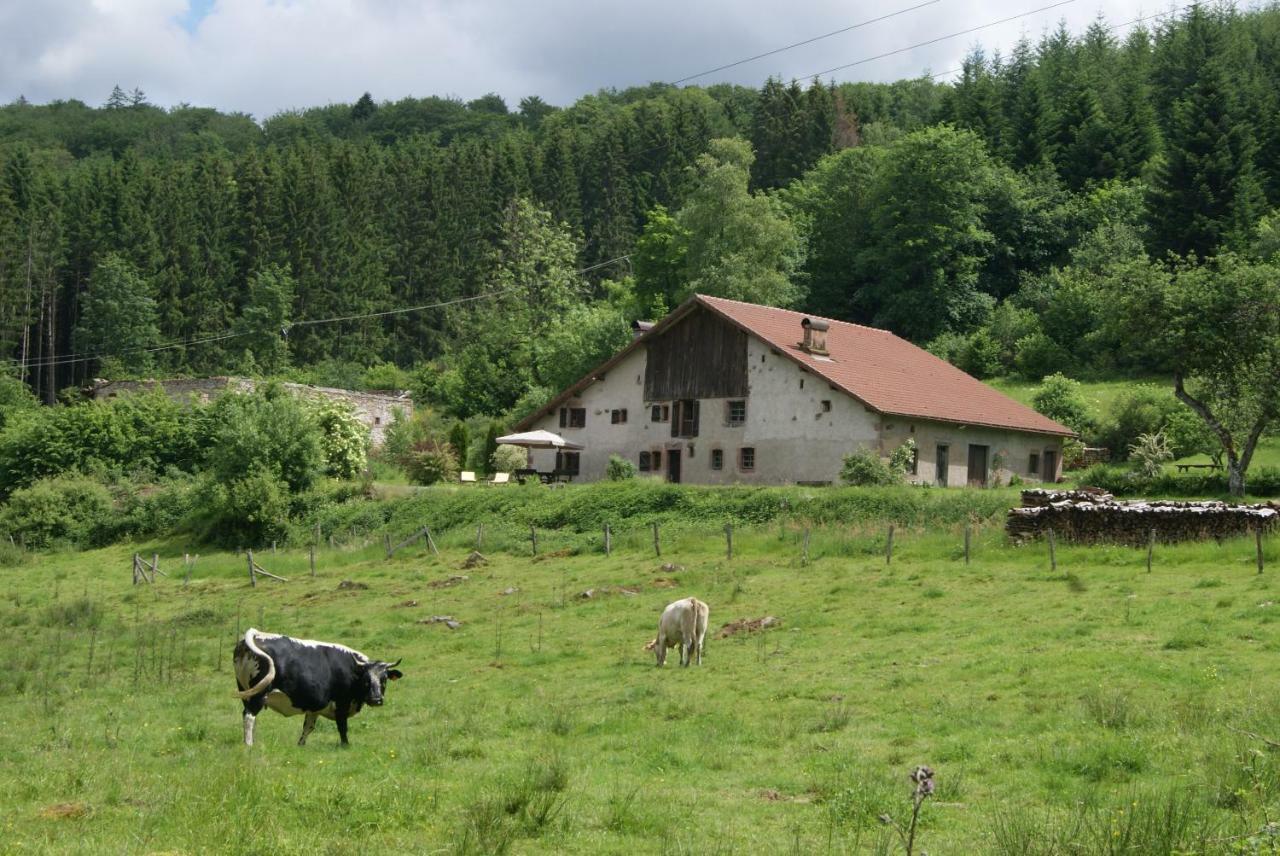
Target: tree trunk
x=1235, y=479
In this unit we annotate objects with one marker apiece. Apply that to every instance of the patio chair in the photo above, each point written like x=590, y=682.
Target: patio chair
x=467, y=477
x=500, y=478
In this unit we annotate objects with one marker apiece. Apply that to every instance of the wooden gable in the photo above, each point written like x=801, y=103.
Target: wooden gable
x=701, y=356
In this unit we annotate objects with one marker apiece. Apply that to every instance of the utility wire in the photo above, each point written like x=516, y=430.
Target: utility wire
x=1112, y=28
x=857, y=26
x=955, y=35
x=68, y=359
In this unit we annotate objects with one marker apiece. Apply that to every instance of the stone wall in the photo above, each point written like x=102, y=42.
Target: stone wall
x=375, y=410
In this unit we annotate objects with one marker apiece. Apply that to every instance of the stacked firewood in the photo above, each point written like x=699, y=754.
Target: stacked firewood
x=1097, y=518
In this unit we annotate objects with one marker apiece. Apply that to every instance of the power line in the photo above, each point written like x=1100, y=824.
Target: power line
x=868, y=22
x=1112, y=28
x=69, y=359
x=955, y=35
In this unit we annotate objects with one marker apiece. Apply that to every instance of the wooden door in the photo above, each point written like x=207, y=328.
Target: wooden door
x=1050, y=466
x=673, y=465
x=977, y=465
x=943, y=459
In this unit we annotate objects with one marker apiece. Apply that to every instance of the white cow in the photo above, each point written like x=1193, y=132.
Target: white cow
x=683, y=623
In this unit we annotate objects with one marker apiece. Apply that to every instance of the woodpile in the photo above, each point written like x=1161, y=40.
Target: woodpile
x=1089, y=516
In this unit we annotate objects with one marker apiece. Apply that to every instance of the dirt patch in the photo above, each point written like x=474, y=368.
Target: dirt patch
x=748, y=625
x=64, y=811
x=447, y=620
x=451, y=580
x=474, y=560
x=665, y=582
x=593, y=593
x=672, y=568
x=409, y=603
x=510, y=591
x=556, y=554
x=352, y=585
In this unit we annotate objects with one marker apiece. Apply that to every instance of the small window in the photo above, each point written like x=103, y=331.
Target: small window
x=577, y=417
x=717, y=459
x=736, y=413
x=746, y=458
x=657, y=462
x=644, y=462
x=567, y=463
x=666, y=413
x=826, y=405
x=377, y=420
x=1033, y=465
x=655, y=413
x=618, y=417
x=802, y=383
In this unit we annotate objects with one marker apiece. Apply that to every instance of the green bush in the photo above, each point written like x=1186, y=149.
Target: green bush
x=508, y=458
x=1062, y=400
x=155, y=511
x=65, y=509
x=620, y=469
x=431, y=462
x=1038, y=355
x=980, y=356
x=266, y=431
x=248, y=511
x=344, y=440
x=1143, y=410
x=864, y=467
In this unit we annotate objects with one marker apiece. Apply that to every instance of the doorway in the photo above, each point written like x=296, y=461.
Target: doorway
x=1050, y=465
x=673, y=465
x=977, y=465
x=943, y=463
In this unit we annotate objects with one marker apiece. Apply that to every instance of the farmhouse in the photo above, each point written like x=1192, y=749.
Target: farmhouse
x=721, y=391
x=374, y=410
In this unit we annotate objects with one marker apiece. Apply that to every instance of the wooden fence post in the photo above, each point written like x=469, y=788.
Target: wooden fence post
x=186, y=566
x=608, y=542
x=657, y=544
x=253, y=577
x=888, y=547
x=313, y=560
x=135, y=569
x=1151, y=546
x=273, y=548
x=1053, y=559
x=968, y=533
x=1257, y=537
x=386, y=543
x=533, y=537
x=155, y=566
x=804, y=552
x=728, y=541
x=431, y=541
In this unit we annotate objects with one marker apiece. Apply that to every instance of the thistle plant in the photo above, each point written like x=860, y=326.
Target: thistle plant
x=922, y=788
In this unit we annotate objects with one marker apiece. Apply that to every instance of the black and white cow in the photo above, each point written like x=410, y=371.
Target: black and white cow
x=300, y=676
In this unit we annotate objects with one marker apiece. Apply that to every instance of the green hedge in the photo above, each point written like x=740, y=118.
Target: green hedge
x=1120, y=481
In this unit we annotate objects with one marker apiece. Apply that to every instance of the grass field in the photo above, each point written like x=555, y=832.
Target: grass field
x=1085, y=710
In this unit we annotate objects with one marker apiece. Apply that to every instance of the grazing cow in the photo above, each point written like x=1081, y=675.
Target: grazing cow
x=683, y=623
x=293, y=676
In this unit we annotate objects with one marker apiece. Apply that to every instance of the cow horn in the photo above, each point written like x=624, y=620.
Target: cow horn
x=393, y=665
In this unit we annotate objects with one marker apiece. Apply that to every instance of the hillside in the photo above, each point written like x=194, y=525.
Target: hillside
x=1096, y=708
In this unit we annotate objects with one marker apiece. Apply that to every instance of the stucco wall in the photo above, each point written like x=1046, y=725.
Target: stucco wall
x=1012, y=448
x=376, y=411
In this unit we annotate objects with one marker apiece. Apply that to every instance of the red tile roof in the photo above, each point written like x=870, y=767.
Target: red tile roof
x=885, y=372
x=888, y=374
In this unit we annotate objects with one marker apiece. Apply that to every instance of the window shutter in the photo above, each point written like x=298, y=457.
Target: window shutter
x=564, y=416
x=675, y=419
x=694, y=433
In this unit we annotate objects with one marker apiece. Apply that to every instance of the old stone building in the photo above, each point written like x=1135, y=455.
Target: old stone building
x=376, y=410
x=721, y=391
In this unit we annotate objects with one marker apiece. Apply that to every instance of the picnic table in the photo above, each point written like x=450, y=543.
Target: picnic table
x=544, y=476
x=1183, y=468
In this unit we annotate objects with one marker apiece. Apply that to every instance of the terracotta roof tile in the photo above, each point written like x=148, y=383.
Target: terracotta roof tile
x=887, y=373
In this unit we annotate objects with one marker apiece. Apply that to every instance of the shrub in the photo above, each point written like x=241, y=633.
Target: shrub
x=251, y=510
x=980, y=356
x=1144, y=410
x=865, y=467
x=344, y=441
x=901, y=458
x=65, y=509
x=1062, y=400
x=459, y=439
x=620, y=469
x=430, y=462
x=1038, y=355
x=947, y=346
x=266, y=431
x=508, y=458
x=1150, y=452
x=386, y=377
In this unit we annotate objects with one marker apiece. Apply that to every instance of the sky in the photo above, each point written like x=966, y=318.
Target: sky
x=265, y=56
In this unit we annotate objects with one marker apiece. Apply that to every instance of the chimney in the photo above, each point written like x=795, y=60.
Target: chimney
x=815, y=336
x=639, y=328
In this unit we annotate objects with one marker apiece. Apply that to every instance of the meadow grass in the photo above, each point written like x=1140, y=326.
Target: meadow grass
x=1086, y=710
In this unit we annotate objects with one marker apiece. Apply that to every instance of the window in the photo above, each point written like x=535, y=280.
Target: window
x=377, y=420
x=736, y=412
x=915, y=462
x=826, y=405
x=644, y=462
x=573, y=417
x=655, y=413
x=1033, y=465
x=747, y=458
x=657, y=462
x=802, y=383
x=717, y=459
x=684, y=422
x=618, y=417
x=567, y=463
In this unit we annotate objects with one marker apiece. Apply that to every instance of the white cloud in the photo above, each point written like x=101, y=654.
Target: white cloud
x=261, y=56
